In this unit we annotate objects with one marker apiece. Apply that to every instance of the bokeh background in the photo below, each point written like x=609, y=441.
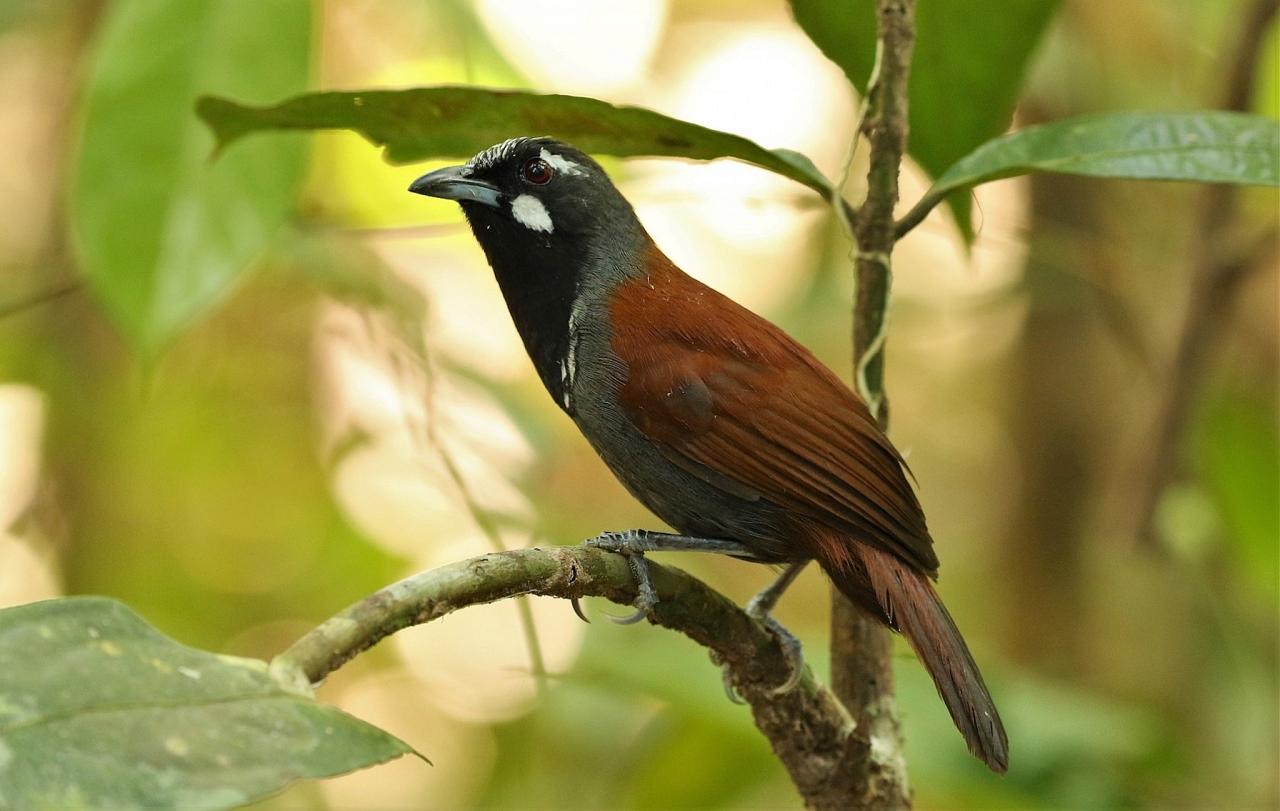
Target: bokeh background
x=361, y=409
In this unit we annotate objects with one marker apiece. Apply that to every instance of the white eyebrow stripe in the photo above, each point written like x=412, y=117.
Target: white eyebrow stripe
x=560, y=163
x=496, y=153
x=531, y=213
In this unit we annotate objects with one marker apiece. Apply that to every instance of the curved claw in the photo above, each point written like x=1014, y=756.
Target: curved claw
x=729, y=692
x=791, y=648
x=793, y=681
x=646, y=595
x=577, y=609
x=631, y=619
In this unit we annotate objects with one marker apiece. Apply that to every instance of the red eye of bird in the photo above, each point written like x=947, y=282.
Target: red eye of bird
x=537, y=171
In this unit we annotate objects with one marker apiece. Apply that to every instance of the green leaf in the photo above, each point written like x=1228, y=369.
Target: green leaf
x=1207, y=147
x=969, y=60
x=160, y=232
x=457, y=122
x=100, y=710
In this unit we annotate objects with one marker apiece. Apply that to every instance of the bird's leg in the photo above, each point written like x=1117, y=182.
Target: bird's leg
x=639, y=541
x=762, y=604
x=758, y=609
x=633, y=543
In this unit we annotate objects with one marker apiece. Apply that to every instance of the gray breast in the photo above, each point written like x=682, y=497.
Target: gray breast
x=686, y=502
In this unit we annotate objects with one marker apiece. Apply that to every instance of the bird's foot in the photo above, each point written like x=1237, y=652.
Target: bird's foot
x=632, y=544
x=790, y=648
x=758, y=610
x=626, y=542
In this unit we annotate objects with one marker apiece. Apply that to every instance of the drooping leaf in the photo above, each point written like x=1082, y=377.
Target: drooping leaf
x=100, y=710
x=969, y=60
x=456, y=122
x=1208, y=146
x=160, y=232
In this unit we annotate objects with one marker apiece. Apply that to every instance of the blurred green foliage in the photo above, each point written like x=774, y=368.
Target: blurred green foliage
x=160, y=231
x=966, y=71
x=1237, y=453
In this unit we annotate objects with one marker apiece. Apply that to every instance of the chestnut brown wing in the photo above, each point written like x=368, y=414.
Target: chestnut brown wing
x=731, y=398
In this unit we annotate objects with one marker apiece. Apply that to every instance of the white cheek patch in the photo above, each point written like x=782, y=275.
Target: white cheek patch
x=560, y=163
x=531, y=213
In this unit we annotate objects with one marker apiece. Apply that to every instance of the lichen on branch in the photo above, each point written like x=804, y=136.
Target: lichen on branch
x=808, y=728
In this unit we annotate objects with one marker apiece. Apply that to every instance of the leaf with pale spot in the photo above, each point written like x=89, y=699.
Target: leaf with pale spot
x=100, y=710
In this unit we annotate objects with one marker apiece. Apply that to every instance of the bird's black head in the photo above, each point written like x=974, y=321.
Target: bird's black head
x=536, y=192
x=552, y=226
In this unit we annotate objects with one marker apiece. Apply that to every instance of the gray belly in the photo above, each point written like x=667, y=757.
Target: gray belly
x=680, y=498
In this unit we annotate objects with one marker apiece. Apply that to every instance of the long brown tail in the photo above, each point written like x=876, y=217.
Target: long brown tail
x=906, y=601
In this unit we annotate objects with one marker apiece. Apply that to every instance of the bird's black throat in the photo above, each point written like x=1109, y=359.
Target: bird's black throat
x=539, y=278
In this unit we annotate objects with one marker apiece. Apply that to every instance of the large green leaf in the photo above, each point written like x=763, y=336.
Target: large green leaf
x=441, y=122
x=161, y=232
x=100, y=710
x=1208, y=146
x=970, y=57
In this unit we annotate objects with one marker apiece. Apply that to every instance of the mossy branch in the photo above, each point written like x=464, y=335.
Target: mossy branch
x=808, y=728
x=861, y=667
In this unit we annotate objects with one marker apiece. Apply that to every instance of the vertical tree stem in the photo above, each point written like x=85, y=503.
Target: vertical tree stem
x=861, y=667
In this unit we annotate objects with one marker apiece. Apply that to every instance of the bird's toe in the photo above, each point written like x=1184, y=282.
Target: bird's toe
x=791, y=648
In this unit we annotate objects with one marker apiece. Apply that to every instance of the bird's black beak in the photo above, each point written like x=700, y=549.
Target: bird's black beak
x=455, y=183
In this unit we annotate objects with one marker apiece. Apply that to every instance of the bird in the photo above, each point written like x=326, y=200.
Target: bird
x=725, y=427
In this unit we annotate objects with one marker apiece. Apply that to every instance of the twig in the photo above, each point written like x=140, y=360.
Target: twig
x=861, y=667
x=485, y=523
x=885, y=127
x=23, y=303
x=918, y=212
x=416, y=375
x=1219, y=268
x=810, y=732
